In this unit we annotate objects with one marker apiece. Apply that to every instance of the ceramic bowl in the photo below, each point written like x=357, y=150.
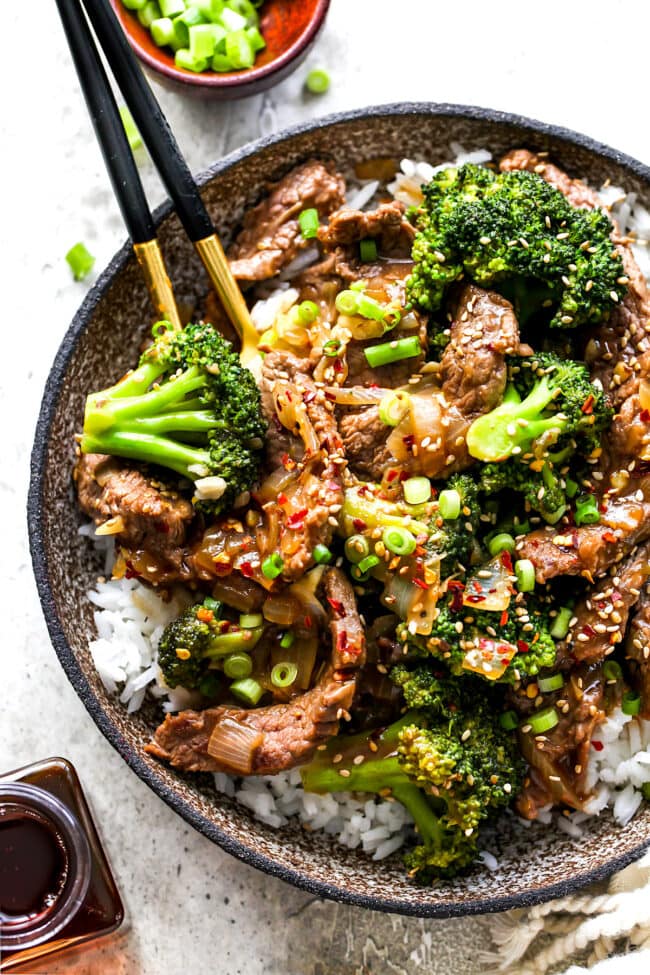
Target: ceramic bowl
x=289, y=27
x=536, y=863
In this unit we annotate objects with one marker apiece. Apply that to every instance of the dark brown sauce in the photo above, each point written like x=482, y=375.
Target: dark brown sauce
x=33, y=864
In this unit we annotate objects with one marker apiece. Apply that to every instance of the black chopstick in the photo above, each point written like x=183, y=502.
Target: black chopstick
x=150, y=120
x=107, y=123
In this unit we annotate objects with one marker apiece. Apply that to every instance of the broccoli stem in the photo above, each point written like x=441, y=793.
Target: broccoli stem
x=514, y=424
x=223, y=644
x=104, y=411
x=190, y=462
x=189, y=421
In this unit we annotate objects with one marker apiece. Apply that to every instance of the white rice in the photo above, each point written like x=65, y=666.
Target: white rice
x=130, y=619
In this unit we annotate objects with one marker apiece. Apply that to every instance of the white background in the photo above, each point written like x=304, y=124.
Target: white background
x=191, y=907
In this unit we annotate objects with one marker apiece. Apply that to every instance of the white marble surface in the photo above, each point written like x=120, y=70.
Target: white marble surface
x=190, y=906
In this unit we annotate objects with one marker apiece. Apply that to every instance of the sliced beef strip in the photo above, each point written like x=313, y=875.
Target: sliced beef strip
x=271, y=236
x=602, y=615
x=558, y=759
x=153, y=517
x=473, y=375
x=386, y=225
x=637, y=650
x=278, y=366
x=591, y=549
x=289, y=732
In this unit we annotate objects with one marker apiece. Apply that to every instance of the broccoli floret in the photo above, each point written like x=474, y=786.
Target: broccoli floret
x=494, y=226
x=193, y=646
x=454, y=539
x=550, y=402
x=190, y=406
x=469, y=640
x=538, y=483
x=449, y=763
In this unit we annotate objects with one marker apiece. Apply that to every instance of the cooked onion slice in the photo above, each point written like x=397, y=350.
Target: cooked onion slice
x=111, y=527
x=490, y=658
x=490, y=587
x=233, y=745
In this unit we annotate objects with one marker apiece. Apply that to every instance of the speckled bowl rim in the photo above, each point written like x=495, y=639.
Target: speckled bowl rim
x=40, y=563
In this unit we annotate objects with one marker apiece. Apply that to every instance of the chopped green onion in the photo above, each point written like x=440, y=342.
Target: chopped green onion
x=543, y=720
x=367, y=307
x=503, y=542
x=239, y=49
x=645, y=790
x=393, y=407
x=347, y=302
x=186, y=60
x=132, y=134
x=525, y=573
x=521, y=527
x=360, y=285
x=149, y=13
x=586, y=512
x=356, y=548
x=80, y=260
x=388, y=352
x=449, y=504
x=232, y=21
x=370, y=561
x=508, y=720
x=257, y=42
x=162, y=32
x=552, y=683
x=247, y=690
x=203, y=40
x=287, y=640
x=307, y=312
x=560, y=625
x=322, y=555
x=220, y=62
x=317, y=81
x=570, y=487
x=213, y=604
x=417, y=490
x=332, y=348
x=171, y=8
x=210, y=9
x=284, y=674
x=368, y=250
x=358, y=575
x=245, y=9
x=272, y=566
x=398, y=540
x=134, y=4
x=631, y=703
x=238, y=665
x=250, y=621
x=308, y=220
x=612, y=670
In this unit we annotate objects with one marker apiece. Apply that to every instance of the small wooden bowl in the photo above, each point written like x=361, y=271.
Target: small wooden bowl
x=289, y=27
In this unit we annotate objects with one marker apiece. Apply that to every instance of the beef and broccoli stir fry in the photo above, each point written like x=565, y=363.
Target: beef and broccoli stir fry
x=417, y=530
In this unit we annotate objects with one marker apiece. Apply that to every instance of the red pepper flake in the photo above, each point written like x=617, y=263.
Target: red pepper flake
x=373, y=385
x=504, y=618
x=246, y=569
x=522, y=646
x=506, y=560
x=408, y=441
x=204, y=615
x=309, y=396
x=225, y=626
x=598, y=745
x=588, y=406
x=609, y=537
x=644, y=416
x=392, y=474
x=308, y=622
x=331, y=397
x=282, y=498
x=588, y=630
x=404, y=476
x=358, y=525
x=288, y=463
x=456, y=587
x=337, y=365
x=420, y=583
x=337, y=606
x=341, y=641
x=296, y=520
